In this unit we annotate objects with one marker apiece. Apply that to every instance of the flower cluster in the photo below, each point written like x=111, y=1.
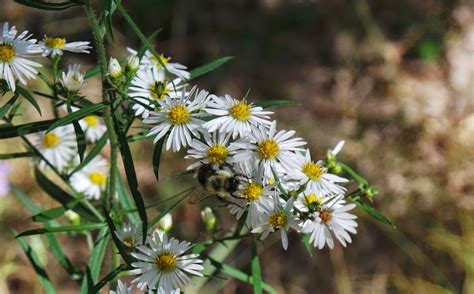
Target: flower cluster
x=266, y=176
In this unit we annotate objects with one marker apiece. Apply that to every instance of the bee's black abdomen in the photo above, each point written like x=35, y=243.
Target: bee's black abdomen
x=204, y=172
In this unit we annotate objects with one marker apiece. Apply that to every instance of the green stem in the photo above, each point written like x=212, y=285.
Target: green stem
x=108, y=113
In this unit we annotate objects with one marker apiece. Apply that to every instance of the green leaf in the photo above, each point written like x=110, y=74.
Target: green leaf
x=64, y=229
x=375, y=214
x=49, y=214
x=307, y=245
x=256, y=271
x=99, y=145
x=16, y=155
x=157, y=157
x=64, y=198
x=48, y=5
x=29, y=96
x=81, y=140
x=76, y=115
x=7, y=131
x=108, y=278
x=35, y=262
x=95, y=262
x=131, y=175
x=275, y=103
x=120, y=246
x=163, y=213
x=353, y=174
x=4, y=109
x=92, y=72
x=151, y=38
x=203, y=69
x=57, y=251
x=239, y=275
x=125, y=200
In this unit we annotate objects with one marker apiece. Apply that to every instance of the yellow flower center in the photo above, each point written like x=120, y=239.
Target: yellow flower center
x=179, y=115
x=55, y=43
x=91, y=120
x=240, y=111
x=268, y=149
x=217, y=154
x=164, y=60
x=166, y=262
x=97, y=179
x=7, y=52
x=51, y=140
x=128, y=241
x=252, y=192
x=278, y=220
x=312, y=199
x=325, y=216
x=313, y=171
x=158, y=90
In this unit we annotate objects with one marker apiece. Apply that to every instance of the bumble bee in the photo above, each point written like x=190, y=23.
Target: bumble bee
x=220, y=181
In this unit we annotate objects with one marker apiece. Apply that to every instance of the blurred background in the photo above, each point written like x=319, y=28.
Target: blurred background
x=395, y=79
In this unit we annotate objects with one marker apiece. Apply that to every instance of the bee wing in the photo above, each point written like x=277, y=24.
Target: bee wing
x=199, y=196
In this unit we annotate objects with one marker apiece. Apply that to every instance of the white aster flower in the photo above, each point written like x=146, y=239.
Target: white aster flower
x=73, y=79
x=121, y=289
x=14, y=51
x=91, y=180
x=212, y=148
x=304, y=170
x=180, y=117
x=253, y=193
x=130, y=235
x=270, y=149
x=162, y=264
x=52, y=46
x=308, y=201
x=58, y=147
x=147, y=87
x=331, y=218
x=235, y=116
x=278, y=216
x=93, y=128
x=149, y=61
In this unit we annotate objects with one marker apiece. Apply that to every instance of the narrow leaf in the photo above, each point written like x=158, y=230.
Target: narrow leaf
x=238, y=274
x=353, y=174
x=39, y=268
x=99, y=145
x=49, y=214
x=157, y=157
x=375, y=214
x=7, y=131
x=64, y=198
x=108, y=278
x=275, y=103
x=16, y=155
x=29, y=96
x=203, y=69
x=307, y=244
x=81, y=140
x=256, y=271
x=64, y=229
x=76, y=115
x=126, y=201
x=120, y=246
x=131, y=176
x=92, y=72
x=48, y=5
x=5, y=108
x=95, y=262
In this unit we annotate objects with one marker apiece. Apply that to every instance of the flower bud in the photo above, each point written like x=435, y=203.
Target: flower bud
x=73, y=217
x=115, y=70
x=208, y=218
x=132, y=63
x=166, y=223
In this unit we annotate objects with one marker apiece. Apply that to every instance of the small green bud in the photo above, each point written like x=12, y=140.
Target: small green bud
x=132, y=63
x=115, y=70
x=166, y=223
x=73, y=217
x=209, y=219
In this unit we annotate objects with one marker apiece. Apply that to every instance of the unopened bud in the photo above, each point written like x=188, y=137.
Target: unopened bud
x=208, y=218
x=115, y=70
x=73, y=217
x=166, y=223
x=132, y=63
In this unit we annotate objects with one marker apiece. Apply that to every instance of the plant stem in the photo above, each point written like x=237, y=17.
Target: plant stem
x=108, y=112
